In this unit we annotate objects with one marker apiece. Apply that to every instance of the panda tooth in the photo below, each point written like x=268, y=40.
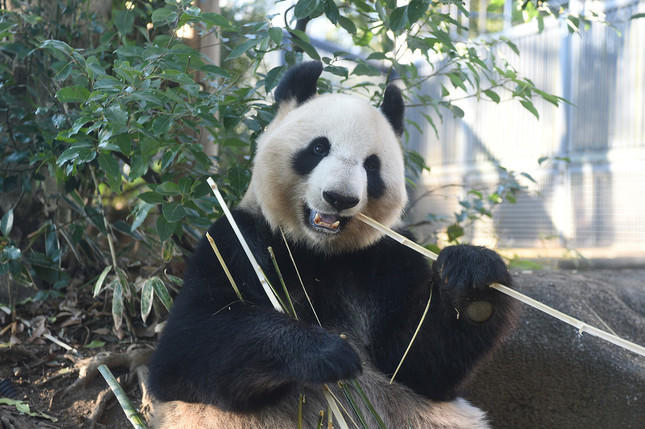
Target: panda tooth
x=335, y=224
x=317, y=219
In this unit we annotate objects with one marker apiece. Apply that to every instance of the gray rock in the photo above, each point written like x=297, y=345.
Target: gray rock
x=547, y=375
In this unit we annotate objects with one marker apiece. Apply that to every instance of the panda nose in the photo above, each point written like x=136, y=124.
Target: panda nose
x=339, y=202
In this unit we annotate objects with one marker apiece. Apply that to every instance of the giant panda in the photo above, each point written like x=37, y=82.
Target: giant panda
x=358, y=296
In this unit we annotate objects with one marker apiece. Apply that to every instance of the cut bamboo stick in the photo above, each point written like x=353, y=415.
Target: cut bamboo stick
x=258, y=270
x=582, y=327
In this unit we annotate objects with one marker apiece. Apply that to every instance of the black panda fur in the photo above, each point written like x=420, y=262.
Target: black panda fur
x=224, y=363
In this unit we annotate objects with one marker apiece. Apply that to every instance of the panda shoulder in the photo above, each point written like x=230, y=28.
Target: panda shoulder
x=253, y=227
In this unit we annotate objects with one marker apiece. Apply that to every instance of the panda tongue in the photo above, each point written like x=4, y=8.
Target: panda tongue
x=327, y=218
x=328, y=221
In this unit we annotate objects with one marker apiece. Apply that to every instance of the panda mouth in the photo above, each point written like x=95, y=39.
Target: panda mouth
x=324, y=222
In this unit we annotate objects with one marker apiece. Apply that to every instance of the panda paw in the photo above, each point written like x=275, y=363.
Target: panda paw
x=334, y=359
x=466, y=272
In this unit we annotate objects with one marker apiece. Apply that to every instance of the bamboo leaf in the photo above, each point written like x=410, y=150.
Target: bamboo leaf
x=161, y=292
x=117, y=303
x=147, y=295
x=99, y=282
x=6, y=224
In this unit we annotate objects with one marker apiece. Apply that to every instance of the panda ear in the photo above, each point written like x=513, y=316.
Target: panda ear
x=299, y=83
x=393, y=108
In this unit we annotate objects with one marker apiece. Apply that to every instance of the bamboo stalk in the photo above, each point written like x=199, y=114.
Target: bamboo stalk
x=223, y=264
x=258, y=271
x=293, y=261
x=284, y=285
x=125, y=403
x=582, y=327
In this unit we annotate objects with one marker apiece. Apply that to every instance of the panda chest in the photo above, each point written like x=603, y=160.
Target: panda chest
x=343, y=298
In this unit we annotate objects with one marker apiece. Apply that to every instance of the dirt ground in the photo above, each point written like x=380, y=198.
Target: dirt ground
x=545, y=375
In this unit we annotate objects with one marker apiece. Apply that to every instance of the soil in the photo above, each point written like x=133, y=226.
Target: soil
x=545, y=374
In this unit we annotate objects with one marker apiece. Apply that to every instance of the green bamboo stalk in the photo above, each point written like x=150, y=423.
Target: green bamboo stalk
x=129, y=410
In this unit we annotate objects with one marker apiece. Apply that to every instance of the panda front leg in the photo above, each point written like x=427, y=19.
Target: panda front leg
x=473, y=316
x=245, y=358
x=467, y=319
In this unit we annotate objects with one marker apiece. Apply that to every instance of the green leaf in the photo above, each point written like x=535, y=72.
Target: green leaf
x=168, y=188
x=73, y=94
x=417, y=9
x=57, y=47
x=6, y=223
x=124, y=21
x=78, y=153
x=164, y=16
x=347, y=24
x=456, y=111
x=338, y=71
x=305, y=7
x=304, y=44
x=637, y=16
x=110, y=167
x=399, y=19
x=161, y=292
x=271, y=79
x=331, y=11
x=528, y=105
x=276, y=34
x=173, y=212
x=23, y=407
x=454, y=231
x=215, y=70
x=242, y=48
x=99, y=282
x=141, y=211
x=116, y=116
x=164, y=228
x=492, y=95
x=511, y=45
x=94, y=67
x=364, y=69
x=95, y=344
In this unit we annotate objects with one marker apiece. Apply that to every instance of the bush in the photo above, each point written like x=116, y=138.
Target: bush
x=102, y=143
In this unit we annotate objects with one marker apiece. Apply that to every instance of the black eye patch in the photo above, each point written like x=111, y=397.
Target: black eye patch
x=305, y=160
x=375, y=184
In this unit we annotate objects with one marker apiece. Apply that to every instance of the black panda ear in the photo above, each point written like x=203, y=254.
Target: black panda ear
x=299, y=83
x=393, y=108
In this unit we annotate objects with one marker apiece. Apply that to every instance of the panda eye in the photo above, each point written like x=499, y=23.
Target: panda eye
x=320, y=148
x=372, y=163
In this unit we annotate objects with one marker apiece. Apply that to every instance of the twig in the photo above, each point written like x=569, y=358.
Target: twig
x=300, y=278
x=331, y=400
x=582, y=327
x=249, y=254
x=423, y=317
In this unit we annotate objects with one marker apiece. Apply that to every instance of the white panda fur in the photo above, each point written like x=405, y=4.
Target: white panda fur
x=358, y=129
x=225, y=364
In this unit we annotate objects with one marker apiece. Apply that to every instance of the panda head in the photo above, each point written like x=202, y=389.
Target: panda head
x=323, y=160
